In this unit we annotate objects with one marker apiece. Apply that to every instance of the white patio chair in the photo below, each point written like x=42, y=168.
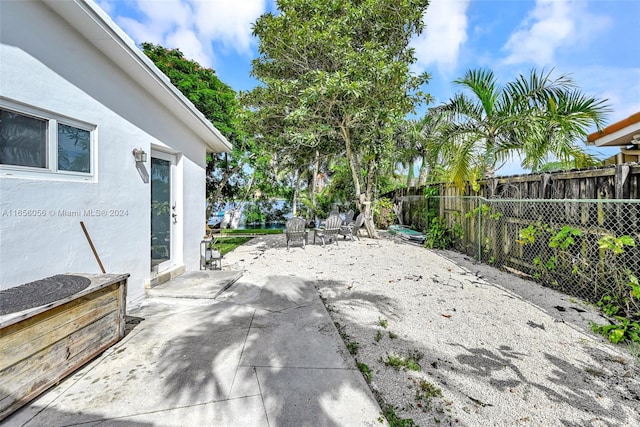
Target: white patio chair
x=352, y=230
x=295, y=230
x=329, y=231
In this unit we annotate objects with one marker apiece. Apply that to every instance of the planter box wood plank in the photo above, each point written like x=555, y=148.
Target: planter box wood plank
x=41, y=346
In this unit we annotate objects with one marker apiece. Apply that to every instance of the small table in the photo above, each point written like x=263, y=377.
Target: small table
x=315, y=231
x=210, y=258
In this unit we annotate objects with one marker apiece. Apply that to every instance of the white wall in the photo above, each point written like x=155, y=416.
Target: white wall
x=47, y=65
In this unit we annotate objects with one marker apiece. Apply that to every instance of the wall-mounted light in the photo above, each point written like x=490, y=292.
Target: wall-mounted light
x=139, y=155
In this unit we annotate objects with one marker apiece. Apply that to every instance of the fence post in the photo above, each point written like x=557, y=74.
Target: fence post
x=621, y=178
x=479, y=228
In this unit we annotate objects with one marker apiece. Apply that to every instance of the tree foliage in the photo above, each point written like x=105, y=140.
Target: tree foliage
x=336, y=80
x=226, y=173
x=213, y=98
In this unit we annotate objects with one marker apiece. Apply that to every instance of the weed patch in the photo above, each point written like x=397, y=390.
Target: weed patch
x=623, y=330
x=366, y=371
x=410, y=362
x=353, y=347
x=389, y=412
x=427, y=391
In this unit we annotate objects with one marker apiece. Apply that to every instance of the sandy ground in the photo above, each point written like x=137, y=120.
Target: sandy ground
x=489, y=349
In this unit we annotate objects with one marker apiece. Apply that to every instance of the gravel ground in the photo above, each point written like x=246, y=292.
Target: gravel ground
x=471, y=345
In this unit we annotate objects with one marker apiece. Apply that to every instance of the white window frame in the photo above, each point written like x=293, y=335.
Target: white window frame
x=52, y=171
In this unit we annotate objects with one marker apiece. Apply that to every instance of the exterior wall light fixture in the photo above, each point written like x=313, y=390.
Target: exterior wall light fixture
x=139, y=155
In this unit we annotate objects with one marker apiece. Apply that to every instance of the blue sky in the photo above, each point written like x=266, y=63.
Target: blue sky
x=596, y=41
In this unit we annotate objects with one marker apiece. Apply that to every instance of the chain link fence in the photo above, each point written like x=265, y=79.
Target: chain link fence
x=586, y=248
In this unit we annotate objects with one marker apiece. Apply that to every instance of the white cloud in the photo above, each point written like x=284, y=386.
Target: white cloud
x=226, y=21
x=191, y=46
x=551, y=25
x=193, y=26
x=140, y=32
x=445, y=32
x=167, y=14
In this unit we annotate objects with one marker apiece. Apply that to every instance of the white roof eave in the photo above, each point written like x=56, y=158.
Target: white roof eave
x=619, y=138
x=100, y=30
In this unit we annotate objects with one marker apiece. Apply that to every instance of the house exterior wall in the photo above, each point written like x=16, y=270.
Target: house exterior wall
x=45, y=64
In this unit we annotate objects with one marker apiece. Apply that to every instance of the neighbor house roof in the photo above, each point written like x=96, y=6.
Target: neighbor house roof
x=98, y=28
x=618, y=133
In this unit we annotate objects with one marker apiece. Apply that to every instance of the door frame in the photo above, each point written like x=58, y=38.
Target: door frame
x=171, y=262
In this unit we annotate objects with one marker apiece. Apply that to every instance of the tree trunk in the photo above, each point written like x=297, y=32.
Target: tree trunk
x=424, y=172
x=237, y=212
x=363, y=200
x=213, y=197
x=368, y=207
x=410, y=173
x=314, y=181
x=295, y=193
x=490, y=158
x=354, y=166
x=489, y=173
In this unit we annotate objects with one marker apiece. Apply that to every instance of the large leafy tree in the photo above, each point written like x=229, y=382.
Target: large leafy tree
x=335, y=79
x=536, y=117
x=226, y=173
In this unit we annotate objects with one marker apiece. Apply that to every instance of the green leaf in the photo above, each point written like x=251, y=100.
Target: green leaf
x=616, y=335
x=627, y=240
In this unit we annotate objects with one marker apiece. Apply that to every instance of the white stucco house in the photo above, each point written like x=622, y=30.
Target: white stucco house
x=91, y=131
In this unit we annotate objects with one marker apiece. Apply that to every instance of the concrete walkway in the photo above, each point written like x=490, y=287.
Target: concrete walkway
x=263, y=352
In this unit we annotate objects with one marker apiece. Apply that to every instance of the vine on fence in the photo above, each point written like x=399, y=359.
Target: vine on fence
x=432, y=204
x=624, y=306
x=626, y=302
x=559, y=243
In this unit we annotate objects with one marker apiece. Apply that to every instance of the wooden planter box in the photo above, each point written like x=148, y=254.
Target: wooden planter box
x=40, y=346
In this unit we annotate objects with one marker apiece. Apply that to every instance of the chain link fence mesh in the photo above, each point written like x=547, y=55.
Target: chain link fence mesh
x=586, y=248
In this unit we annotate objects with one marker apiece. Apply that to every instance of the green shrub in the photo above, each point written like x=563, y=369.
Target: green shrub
x=440, y=236
x=383, y=215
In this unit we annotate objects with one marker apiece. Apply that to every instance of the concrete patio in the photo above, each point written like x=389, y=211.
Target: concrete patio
x=263, y=353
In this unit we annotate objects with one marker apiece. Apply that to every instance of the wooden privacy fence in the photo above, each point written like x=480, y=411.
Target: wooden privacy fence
x=612, y=182
x=606, y=183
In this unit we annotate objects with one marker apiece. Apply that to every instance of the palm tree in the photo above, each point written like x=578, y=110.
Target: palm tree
x=535, y=117
x=563, y=120
x=433, y=128
x=420, y=141
x=408, y=140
